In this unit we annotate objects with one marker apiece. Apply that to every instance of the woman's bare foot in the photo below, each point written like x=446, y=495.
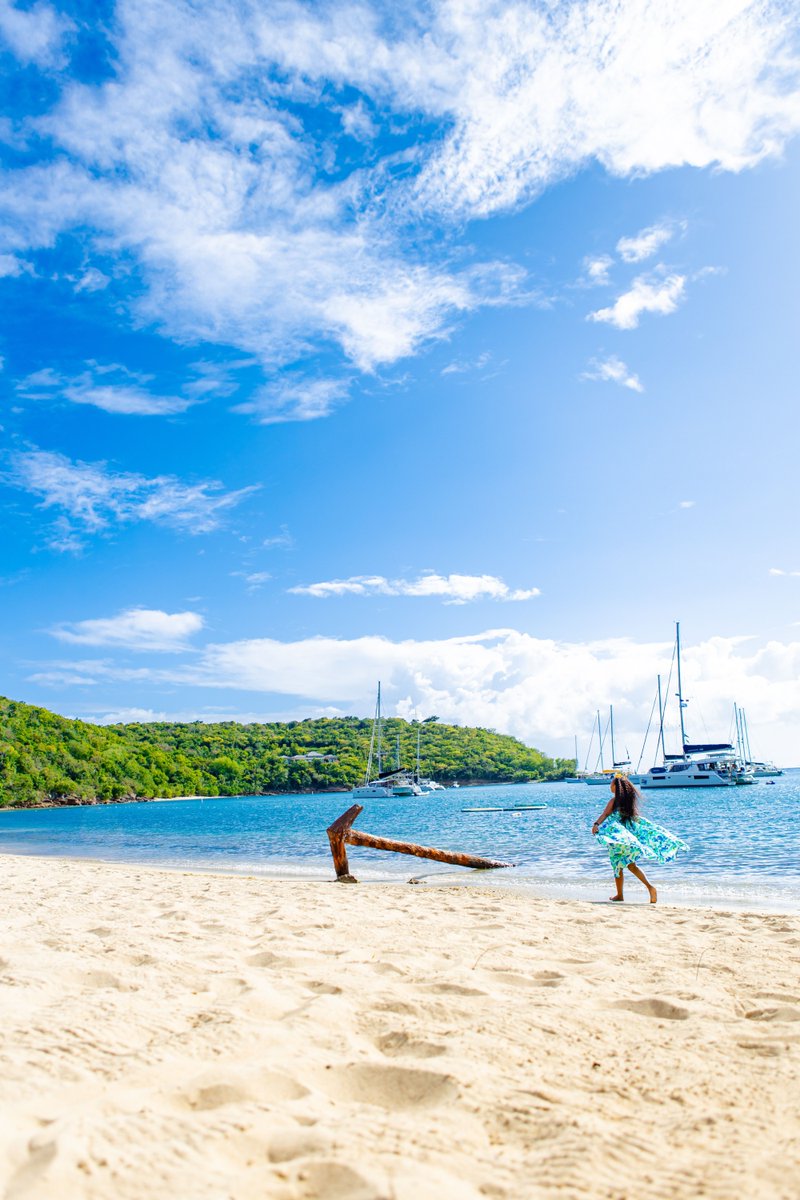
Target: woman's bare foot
x=621, y=898
x=653, y=895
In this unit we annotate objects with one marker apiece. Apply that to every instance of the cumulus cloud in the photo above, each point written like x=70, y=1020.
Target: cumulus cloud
x=94, y=496
x=646, y=295
x=596, y=269
x=209, y=158
x=541, y=690
x=134, y=629
x=452, y=589
x=613, y=370
x=644, y=244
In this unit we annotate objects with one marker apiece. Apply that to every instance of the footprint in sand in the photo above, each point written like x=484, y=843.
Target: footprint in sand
x=662, y=1010
x=215, y=1090
x=453, y=989
x=296, y=1143
x=42, y=1149
x=387, y=1087
x=398, y=1044
x=334, y=1181
x=782, y=1012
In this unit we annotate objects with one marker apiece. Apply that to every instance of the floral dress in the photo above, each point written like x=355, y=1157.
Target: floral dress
x=639, y=839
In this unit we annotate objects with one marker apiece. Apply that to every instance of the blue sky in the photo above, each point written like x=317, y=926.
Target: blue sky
x=453, y=346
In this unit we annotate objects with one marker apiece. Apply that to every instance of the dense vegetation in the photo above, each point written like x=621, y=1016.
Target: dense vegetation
x=47, y=759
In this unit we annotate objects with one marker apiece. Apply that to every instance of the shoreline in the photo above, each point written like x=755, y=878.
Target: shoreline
x=75, y=802
x=216, y=1035
x=529, y=888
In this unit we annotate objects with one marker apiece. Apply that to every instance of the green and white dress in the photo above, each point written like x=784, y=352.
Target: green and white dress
x=638, y=839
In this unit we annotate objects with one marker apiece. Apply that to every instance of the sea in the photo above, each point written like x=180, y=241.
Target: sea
x=745, y=841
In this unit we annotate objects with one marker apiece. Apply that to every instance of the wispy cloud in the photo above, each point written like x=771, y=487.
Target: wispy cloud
x=687, y=504
x=613, y=370
x=254, y=227
x=94, y=497
x=134, y=629
x=646, y=295
x=295, y=400
x=112, y=388
x=781, y=571
x=645, y=243
x=255, y=580
x=279, y=541
x=466, y=366
x=452, y=589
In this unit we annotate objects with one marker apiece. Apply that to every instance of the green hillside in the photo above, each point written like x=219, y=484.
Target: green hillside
x=45, y=758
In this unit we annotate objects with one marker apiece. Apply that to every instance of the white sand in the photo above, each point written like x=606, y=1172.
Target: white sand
x=191, y=1036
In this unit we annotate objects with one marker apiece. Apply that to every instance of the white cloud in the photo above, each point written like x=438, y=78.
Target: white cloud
x=95, y=497
x=465, y=366
x=135, y=629
x=295, y=400
x=92, y=280
x=687, y=503
x=613, y=370
x=661, y=296
x=123, y=393
x=596, y=269
x=254, y=579
x=780, y=571
x=541, y=690
x=452, y=589
x=280, y=541
x=644, y=244
x=129, y=400
x=11, y=266
x=33, y=34
x=252, y=226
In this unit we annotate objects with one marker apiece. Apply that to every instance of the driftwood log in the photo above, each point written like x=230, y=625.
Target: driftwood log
x=341, y=834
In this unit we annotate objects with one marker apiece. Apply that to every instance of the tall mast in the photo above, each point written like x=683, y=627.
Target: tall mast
x=747, y=737
x=417, y=775
x=661, y=722
x=611, y=723
x=600, y=736
x=576, y=753
x=680, y=689
x=380, y=733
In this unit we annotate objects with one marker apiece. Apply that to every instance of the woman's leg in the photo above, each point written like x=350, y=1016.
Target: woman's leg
x=619, y=880
x=640, y=875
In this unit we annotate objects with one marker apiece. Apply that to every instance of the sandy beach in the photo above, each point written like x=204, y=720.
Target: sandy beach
x=218, y=1036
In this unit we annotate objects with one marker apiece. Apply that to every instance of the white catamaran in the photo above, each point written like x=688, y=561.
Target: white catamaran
x=701, y=764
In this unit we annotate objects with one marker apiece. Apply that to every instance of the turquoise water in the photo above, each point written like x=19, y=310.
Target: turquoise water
x=745, y=841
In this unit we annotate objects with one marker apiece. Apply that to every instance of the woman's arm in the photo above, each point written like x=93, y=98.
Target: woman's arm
x=605, y=813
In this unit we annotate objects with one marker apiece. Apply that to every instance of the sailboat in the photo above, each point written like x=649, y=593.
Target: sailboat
x=383, y=785
x=761, y=770
x=700, y=764
x=606, y=774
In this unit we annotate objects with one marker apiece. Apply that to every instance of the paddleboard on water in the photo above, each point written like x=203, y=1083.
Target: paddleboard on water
x=516, y=808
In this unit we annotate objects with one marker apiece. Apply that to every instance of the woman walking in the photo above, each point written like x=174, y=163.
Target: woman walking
x=629, y=836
